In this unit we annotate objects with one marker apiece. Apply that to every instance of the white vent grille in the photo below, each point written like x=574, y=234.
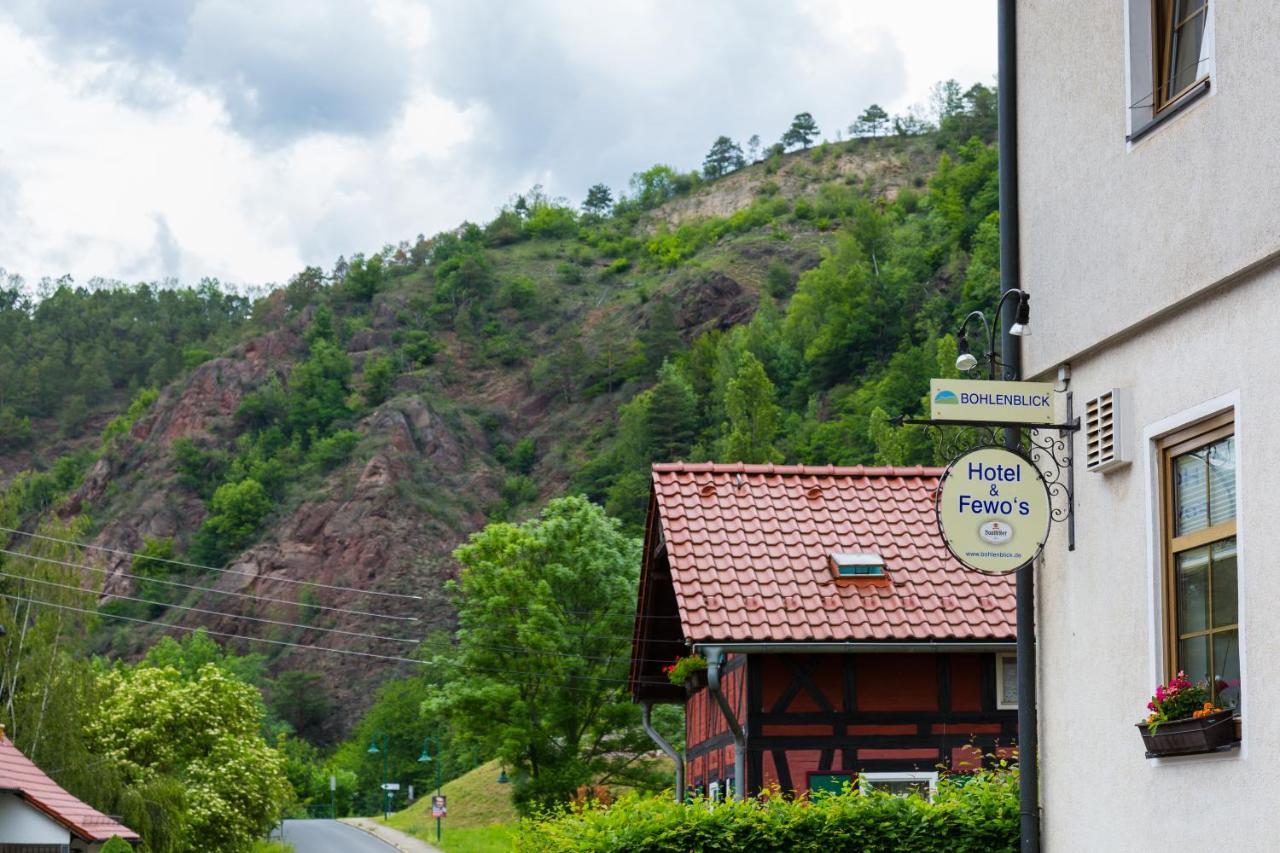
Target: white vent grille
x=1104, y=431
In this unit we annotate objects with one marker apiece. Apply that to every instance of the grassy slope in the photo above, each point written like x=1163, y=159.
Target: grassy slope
x=481, y=814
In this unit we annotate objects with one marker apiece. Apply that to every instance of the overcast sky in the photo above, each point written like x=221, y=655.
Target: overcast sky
x=245, y=139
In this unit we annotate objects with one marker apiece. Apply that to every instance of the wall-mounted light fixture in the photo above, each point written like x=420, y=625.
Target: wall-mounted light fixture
x=966, y=360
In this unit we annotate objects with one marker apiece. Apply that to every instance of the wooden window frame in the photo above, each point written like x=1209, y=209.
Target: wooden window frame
x=1162, y=31
x=1189, y=438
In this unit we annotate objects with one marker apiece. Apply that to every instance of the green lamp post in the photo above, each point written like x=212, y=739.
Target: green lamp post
x=429, y=743
x=373, y=750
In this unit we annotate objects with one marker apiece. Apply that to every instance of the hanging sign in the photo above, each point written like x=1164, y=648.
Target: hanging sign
x=989, y=400
x=993, y=510
x=438, y=806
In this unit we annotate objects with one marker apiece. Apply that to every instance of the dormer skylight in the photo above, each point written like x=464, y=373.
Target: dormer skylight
x=856, y=565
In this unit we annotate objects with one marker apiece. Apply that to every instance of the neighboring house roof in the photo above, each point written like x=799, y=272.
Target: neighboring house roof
x=749, y=547
x=21, y=776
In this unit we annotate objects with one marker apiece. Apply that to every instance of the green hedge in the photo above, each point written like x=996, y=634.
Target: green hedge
x=978, y=814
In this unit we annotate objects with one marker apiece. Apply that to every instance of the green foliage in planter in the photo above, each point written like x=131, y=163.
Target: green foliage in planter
x=977, y=814
x=680, y=671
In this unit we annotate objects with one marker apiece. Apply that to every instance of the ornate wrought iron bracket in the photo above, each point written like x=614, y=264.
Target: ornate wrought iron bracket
x=1048, y=447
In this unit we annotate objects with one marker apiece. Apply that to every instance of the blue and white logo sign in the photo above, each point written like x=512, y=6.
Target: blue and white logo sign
x=991, y=401
x=993, y=510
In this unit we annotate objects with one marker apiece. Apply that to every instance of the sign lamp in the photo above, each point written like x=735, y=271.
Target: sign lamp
x=966, y=360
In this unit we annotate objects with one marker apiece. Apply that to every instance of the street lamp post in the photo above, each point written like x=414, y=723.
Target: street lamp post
x=428, y=743
x=373, y=750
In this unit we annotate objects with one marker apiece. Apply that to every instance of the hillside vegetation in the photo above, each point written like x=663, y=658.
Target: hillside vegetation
x=355, y=426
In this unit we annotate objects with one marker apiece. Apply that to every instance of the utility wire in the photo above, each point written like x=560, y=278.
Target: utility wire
x=198, y=588
x=119, y=552
x=208, y=612
x=330, y=649
x=428, y=643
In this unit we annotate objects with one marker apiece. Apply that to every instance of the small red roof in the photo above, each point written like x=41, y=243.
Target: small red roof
x=18, y=773
x=749, y=549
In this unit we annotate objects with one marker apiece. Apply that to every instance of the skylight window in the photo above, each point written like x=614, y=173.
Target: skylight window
x=857, y=565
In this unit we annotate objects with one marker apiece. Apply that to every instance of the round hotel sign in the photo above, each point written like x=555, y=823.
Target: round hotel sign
x=993, y=509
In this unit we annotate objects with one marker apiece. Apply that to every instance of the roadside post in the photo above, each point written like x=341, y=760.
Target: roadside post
x=438, y=809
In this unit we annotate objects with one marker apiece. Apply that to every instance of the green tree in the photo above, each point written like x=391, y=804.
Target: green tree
x=301, y=699
x=653, y=186
x=379, y=374
x=803, y=131
x=871, y=122
x=671, y=417
x=544, y=612
x=204, y=730
x=724, y=157
x=598, y=202
x=753, y=416
x=236, y=512
x=364, y=278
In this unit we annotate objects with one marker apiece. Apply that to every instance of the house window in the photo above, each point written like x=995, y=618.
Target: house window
x=1006, y=681
x=1179, y=27
x=1170, y=58
x=1201, y=596
x=902, y=784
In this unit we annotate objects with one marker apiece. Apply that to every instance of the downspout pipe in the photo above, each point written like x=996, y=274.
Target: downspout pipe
x=646, y=709
x=715, y=660
x=1010, y=279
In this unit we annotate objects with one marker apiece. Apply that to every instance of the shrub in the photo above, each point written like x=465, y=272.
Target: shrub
x=569, y=273
x=966, y=815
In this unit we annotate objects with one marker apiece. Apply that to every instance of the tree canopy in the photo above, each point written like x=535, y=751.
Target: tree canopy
x=802, y=132
x=544, y=612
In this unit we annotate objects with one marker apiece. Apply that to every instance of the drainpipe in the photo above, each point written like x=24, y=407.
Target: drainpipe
x=1010, y=278
x=646, y=707
x=715, y=659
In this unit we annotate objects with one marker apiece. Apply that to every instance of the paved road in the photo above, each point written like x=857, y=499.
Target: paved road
x=331, y=836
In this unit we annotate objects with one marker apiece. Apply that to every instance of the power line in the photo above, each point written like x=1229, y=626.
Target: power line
x=330, y=649
x=198, y=588
x=119, y=552
x=429, y=643
x=261, y=619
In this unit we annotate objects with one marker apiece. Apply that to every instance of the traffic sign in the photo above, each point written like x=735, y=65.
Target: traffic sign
x=391, y=786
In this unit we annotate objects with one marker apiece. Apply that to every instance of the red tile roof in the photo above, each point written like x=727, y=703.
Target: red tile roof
x=748, y=547
x=18, y=773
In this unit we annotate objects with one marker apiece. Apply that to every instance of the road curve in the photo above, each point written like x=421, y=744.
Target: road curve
x=331, y=836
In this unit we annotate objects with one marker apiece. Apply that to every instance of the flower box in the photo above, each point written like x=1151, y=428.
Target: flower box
x=696, y=681
x=1190, y=736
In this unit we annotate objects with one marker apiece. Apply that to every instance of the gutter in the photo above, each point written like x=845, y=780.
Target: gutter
x=645, y=708
x=715, y=660
x=1011, y=279
x=847, y=648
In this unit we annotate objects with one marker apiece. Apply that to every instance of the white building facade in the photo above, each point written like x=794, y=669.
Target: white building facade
x=1149, y=185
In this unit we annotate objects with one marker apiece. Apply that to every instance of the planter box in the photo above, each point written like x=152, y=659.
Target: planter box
x=1190, y=736
x=696, y=681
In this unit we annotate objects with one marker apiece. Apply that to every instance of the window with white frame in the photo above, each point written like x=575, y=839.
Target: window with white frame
x=1171, y=47
x=1006, y=681
x=900, y=783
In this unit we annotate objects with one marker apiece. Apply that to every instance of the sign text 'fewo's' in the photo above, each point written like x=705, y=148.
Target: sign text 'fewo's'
x=993, y=509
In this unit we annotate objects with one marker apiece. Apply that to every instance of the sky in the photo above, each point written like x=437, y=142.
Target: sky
x=246, y=139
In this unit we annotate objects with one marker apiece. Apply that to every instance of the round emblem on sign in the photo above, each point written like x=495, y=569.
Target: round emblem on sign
x=993, y=510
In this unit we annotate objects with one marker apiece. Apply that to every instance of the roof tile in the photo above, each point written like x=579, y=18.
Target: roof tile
x=748, y=547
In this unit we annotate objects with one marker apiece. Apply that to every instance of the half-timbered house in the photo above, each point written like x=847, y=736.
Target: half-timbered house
x=842, y=640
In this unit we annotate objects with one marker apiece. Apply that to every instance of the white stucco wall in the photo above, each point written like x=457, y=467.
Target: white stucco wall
x=1154, y=267
x=1099, y=633
x=1113, y=232
x=22, y=824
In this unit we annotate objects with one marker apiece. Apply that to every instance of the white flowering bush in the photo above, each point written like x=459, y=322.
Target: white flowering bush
x=204, y=730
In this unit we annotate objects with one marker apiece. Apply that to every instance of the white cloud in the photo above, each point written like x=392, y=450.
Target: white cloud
x=241, y=140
